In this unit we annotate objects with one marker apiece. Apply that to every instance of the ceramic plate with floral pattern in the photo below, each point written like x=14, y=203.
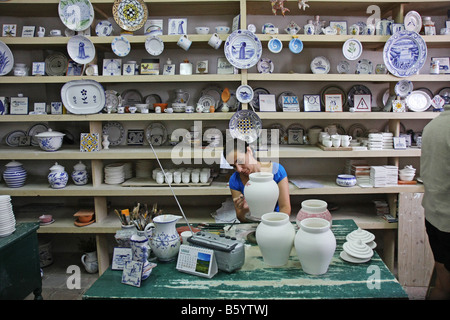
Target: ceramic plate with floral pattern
x=76, y=15
x=130, y=15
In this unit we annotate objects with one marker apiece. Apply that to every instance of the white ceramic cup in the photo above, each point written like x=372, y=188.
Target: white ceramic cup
x=327, y=142
x=345, y=143
x=184, y=42
x=215, y=41
x=159, y=177
x=185, y=235
x=186, y=176
x=169, y=177
x=204, y=177
x=168, y=110
x=189, y=109
x=157, y=109
x=177, y=177
x=336, y=142
x=120, y=109
x=195, y=176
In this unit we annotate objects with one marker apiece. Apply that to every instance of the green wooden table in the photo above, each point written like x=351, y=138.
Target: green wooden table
x=255, y=280
x=19, y=263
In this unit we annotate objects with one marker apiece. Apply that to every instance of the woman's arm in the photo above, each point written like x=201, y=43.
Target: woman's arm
x=284, y=200
x=240, y=205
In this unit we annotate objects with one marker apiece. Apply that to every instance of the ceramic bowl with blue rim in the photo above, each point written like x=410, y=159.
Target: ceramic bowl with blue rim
x=275, y=45
x=296, y=45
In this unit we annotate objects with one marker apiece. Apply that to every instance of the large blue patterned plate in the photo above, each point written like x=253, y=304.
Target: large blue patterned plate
x=405, y=53
x=6, y=59
x=245, y=125
x=243, y=49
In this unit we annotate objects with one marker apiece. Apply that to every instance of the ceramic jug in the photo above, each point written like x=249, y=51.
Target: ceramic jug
x=57, y=177
x=164, y=238
x=313, y=208
x=275, y=237
x=14, y=174
x=315, y=245
x=79, y=174
x=90, y=262
x=181, y=96
x=261, y=193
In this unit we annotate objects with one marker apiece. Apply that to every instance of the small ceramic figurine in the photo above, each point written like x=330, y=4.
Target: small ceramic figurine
x=278, y=5
x=303, y=3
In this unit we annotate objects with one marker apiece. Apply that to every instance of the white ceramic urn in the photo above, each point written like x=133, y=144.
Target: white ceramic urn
x=315, y=244
x=261, y=193
x=275, y=237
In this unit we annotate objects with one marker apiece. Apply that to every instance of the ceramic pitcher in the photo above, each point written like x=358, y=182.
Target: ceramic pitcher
x=181, y=96
x=164, y=239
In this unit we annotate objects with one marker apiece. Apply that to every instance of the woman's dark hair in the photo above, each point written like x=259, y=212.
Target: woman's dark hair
x=234, y=144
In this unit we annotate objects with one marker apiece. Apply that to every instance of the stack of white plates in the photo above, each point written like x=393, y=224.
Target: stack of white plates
x=7, y=219
x=143, y=169
x=391, y=175
x=380, y=141
x=115, y=173
x=388, y=140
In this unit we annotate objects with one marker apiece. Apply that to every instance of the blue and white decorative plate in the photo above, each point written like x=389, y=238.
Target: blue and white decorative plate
x=243, y=49
x=244, y=93
x=76, y=15
x=275, y=45
x=296, y=45
x=403, y=88
x=81, y=49
x=121, y=46
x=83, y=96
x=104, y=28
x=320, y=65
x=364, y=66
x=352, y=49
x=6, y=59
x=265, y=65
x=245, y=125
x=405, y=53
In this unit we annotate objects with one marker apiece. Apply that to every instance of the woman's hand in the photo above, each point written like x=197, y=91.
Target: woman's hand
x=240, y=203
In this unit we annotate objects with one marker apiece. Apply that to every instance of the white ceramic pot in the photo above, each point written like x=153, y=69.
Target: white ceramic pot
x=313, y=208
x=275, y=237
x=261, y=193
x=346, y=180
x=50, y=140
x=315, y=244
x=14, y=174
x=79, y=174
x=57, y=177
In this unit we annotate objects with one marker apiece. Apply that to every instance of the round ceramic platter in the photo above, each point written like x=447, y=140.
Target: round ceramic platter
x=343, y=67
x=7, y=59
x=103, y=28
x=418, y=101
x=352, y=49
x=296, y=45
x=214, y=90
x=207, y=101
x=76, y=15
x=56, y=64
x=265, y=65
x=81, y=49
x=245, y=125
x=403, y=88
x=356, y=89
x=244, y=93
x=243, y=49
x=115, y=132
x=83, y=96
x=121, y=46
x=157, y=130
x=34, y=130
x=131, y=96
x=275, y=45
x=405, y=53
x=320, y=65
x=255, y=101
x=130, y=15
x=413, y=21
x=12, y=139
x=113, y=99
x=154, y=45
x=364, y=66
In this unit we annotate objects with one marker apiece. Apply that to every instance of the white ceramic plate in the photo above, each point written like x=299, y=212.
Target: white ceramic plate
x=56, y=64
x=364, y=66
x=113, y=99
x=12, y=139
x=343, y=67
x=6, y=59
x=81, y=49
x=243, y=49
x=115, y=132
x=34, y=130
x=413, y=21
x=418, y=101
x=103, y=28
x=207, y=101
x=154, y=45
x=320, y=65
x=352, y=49
x=130, y=15
x=244, y=93
x=131, y=97
x=265, y=65
x=403, y=88
x=76, y=15
x=112, y=67
x=83, y=96
x=121, y=46
x=156, y=134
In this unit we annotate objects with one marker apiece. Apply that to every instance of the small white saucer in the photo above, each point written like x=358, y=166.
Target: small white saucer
x=346, y=257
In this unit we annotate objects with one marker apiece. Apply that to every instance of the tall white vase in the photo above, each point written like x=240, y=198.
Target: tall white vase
x=315, y=244
x=261, y=193
x=275, y=237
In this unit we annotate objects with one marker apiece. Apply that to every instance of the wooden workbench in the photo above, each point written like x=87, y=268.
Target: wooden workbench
x=255, y=280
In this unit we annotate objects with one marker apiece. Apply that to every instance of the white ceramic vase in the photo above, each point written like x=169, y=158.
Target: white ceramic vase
x=165, y=240
x=315, y=244
x=261, y=193
x=275, y=237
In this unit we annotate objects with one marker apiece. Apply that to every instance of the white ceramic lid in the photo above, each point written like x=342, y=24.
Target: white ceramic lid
x=80, y=166
x=13, y=164
x=50, y=133
x=57, y=167
x=360, y=234
x=358, y=249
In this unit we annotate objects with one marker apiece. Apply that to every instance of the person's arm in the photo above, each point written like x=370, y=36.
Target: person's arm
x=284, y=201
x=240, y=205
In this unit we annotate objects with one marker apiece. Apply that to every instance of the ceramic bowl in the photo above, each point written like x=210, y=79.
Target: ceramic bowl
x=346, y=180
x=222, y=29
x=202, y=30
x=50, y=140
x=406, y=177
x=161, y=105
x=178, y=107
x=45, y=218
x=85, y=218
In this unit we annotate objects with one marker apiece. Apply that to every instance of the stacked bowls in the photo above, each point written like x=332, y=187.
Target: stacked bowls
x=7, y=219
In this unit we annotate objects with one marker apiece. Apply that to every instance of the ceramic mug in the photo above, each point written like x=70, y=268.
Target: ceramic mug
x=354, y=29
x=215, y=41
x=184, y=42
x=327, y=142
x=120, y=109
x=336, y=141
x=189, y=109
x=157, y=109
x=186, y=177
x=168, y=110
